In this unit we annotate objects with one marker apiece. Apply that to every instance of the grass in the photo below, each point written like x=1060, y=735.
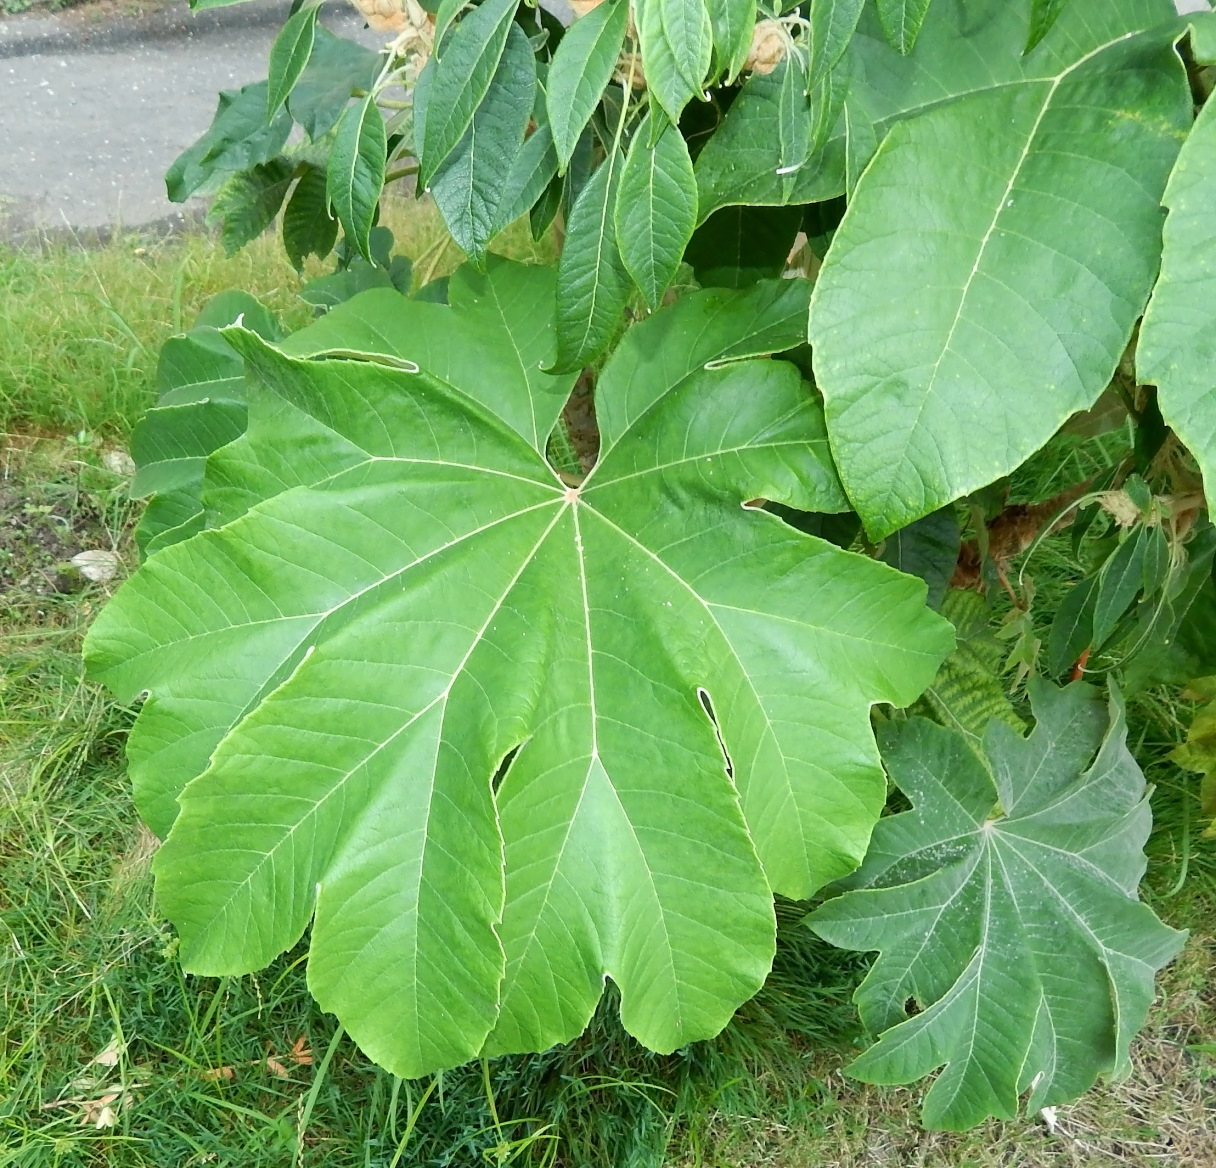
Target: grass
x=110, y=1055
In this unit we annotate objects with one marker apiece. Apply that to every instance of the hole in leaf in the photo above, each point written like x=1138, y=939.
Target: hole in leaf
x=708, y=706
x=503, y=767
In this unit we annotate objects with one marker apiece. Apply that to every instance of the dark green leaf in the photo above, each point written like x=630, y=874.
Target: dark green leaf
x=1121, y=578
x=237, y=139
x=901, y=21
x=337, y=70
x=463, y=72
x=739, y=164
x=1072, y=628
x=831, y=24
x=308, y=226
x=355, y=172
x=530, y=176
x=1043, y=14
x=248, y=202
x=927, y=548
x=469, y=186
x=581, y=68
x=656, y=210
x=677, y=47
x=592, y=281
x=289, y=55
x=338, y=287
x=731, y=24
x=737, y=246
x=545, y=211
x=1004, y=906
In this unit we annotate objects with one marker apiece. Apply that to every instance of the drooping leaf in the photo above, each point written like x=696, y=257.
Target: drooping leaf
x=355, y=171
x=830, y=27
x=592, y=280
x=289, y=55
x=581, y=67
x=530, y=176
x=1004, y=905
x=336, y=71
x=248, y=202
x=1121, y=578
x=1043, y=14
x=464, y=69
x=1176, y=350
x=469, y=185
x=677, y=48
x=423, y=597
x=656, y=209
x=955, y=330
x=1072, y=627
x=308, y=226
x=738, y=246
x=901, y=20
x=927, y=548
x=238, y=138
x=731, y=24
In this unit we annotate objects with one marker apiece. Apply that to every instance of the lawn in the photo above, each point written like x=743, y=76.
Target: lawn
x=112, y=1056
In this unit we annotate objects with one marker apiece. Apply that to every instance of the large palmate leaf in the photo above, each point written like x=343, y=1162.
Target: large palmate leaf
x=1177, y=346
x=415, y=662
x=1004, y=905
x=987, y=275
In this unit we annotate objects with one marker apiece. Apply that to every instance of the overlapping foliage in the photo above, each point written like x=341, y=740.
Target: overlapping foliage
x=506, y=700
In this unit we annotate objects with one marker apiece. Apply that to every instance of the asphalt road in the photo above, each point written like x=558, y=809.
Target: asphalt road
x=90, y=118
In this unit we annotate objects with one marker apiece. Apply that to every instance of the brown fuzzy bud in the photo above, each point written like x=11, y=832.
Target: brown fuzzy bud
x=770, y=44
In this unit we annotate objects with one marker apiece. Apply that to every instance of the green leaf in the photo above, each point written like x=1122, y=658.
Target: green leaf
x=731, y=23
x=968, y=692
x=1043, y=14
x=738, y=246
x=581, y=68
x=308, y=226
x=1177, y=346
x=464, y=69
x=963, y=49
x=201, y=407
x=1004, y=905
x=351, y=661
x=248, y=202
x=469, y=185
x=338, y=287
x=955, y=331
x=677, y=47
x=927, y=548
x=1121, y=578
x=656, y=209
x=592, y=281
x=739, y=164
x=289, y=55
x=531, y=173
x=238, y=138
x=901, y=21
x=1072, y=628
x=1203, y=37
x=355, y=171
x=830, y=27
x=337, y=70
